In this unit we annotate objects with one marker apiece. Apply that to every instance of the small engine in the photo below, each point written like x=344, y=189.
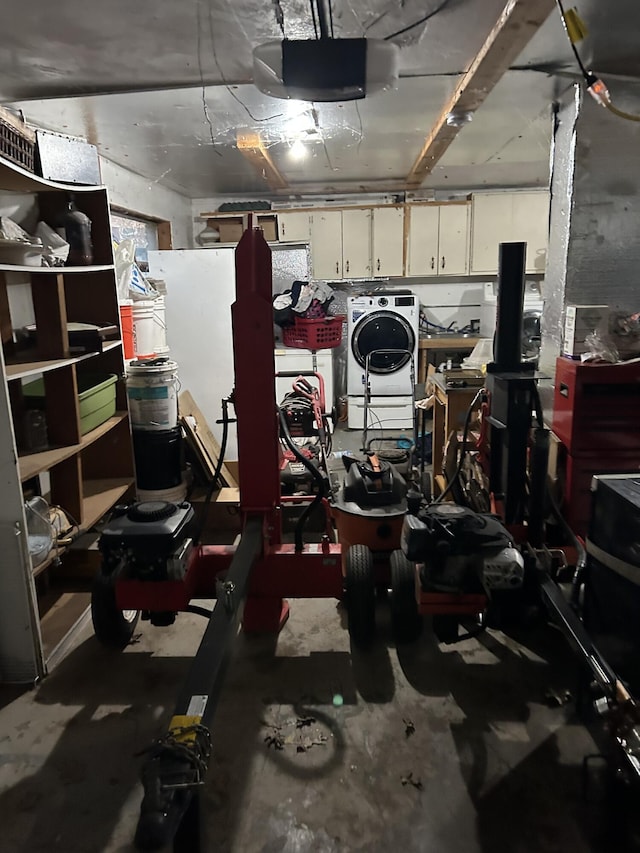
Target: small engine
x=461, y=551
x=148, y=541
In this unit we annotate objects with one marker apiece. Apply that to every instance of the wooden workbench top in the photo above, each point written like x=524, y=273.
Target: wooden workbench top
x=447, y=342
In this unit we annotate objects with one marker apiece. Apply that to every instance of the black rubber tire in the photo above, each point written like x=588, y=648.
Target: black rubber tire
x=360, y=590
x=406, y=622
x=425, y=486
x=113, y=627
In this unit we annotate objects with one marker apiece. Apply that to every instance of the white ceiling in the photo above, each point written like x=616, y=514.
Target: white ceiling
x=132, y=78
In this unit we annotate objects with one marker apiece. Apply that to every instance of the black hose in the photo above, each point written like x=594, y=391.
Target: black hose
x=216, y=473
x=315, y=473
x=465, y=432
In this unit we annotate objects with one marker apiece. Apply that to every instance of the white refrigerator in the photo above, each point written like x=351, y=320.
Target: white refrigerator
x=200, y=292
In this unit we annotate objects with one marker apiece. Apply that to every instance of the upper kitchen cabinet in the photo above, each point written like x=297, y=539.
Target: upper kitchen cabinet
x=293, y=227
x=438, y=239
x=356, y=243
x=388, y=241
x=326, y=244
x=504, y=217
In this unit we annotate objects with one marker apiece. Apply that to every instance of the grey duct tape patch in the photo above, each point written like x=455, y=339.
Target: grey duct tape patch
x=197, y=704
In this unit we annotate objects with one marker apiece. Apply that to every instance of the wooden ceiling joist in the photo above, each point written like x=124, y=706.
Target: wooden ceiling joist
x=252, y=146
x=519, y=21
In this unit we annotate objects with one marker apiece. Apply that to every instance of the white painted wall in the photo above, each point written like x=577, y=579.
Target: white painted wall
x=140, y=195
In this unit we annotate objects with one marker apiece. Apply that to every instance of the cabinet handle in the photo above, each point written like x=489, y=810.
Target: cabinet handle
x=433, y=262
x=347, y=266
x=282, y=228
x=337, y=268
x=378, y=264
x=443, y=262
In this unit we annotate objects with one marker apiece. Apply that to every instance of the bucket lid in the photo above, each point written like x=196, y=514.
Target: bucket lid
x=152, y=365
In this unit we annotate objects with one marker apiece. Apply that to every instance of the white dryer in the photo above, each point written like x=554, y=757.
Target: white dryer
x=383, y=320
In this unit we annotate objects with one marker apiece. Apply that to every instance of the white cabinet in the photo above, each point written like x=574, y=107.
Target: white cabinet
x=326, y=244
x=289, y=360
x=422, y=257
x=293, y=227
x=504, y=217
x=453, y=239
x=388, y=241
x=356, y=243
x=438, y=240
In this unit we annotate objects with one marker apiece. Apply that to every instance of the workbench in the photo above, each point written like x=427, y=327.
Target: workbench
x=442, y=342
x=450, y=407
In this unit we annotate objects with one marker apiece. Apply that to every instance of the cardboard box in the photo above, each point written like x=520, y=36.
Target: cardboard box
x=230, y=230
x=580, y=321
x=268, y=226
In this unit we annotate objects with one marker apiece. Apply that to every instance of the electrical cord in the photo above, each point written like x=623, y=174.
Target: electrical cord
x=315, y=473
x=596, y=88
x=463, y=452
x=422, y=20
x=216, y=473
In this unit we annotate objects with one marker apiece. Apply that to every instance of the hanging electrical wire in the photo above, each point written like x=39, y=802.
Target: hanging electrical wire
x=417, y=23
x=598, y=90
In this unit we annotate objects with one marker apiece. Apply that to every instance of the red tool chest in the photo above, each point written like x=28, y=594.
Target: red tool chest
x=596, y=407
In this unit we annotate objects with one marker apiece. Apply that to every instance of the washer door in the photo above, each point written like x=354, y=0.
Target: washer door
x=383, y=330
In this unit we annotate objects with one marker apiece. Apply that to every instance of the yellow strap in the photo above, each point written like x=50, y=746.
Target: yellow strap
x=576, y=27
x=178, y=725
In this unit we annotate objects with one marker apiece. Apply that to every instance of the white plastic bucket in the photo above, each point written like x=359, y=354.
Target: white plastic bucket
x=152, y=392
x=144, y=329
x=174, y=495
x=160, y=326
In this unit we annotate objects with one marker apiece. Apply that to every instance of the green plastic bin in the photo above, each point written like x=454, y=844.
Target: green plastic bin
x=96, y=393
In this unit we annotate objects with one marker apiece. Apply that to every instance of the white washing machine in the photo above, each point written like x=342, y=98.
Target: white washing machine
x=383, y=320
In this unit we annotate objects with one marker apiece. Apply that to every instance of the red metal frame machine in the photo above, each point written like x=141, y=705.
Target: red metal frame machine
x=260, y=573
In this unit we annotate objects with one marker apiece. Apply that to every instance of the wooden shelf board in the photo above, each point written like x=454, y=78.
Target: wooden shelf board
x=56, y=270
x=100, y=495
x=34, y=463
x=15, y=178
x=23, y=368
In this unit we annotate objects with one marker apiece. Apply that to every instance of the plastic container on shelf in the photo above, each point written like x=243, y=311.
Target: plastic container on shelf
x=39, y=530
x=96, y=396
x=174, y=495
x=313, y=334
x=152, y=391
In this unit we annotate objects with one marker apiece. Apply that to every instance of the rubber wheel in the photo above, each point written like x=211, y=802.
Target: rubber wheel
x=113, y=627
x=360, y=589
x=406, y=622
x=425, y=486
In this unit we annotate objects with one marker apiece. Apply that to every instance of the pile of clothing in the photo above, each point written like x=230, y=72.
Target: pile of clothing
x=305, y=300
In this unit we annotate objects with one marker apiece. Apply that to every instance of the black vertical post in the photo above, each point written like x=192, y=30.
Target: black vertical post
x=508, y=343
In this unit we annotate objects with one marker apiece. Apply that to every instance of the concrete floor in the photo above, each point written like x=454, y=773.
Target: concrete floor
x=490, y=766
x=422, y=748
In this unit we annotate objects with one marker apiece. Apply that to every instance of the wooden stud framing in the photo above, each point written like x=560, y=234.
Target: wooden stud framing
x=251, y=146
x=519, y=21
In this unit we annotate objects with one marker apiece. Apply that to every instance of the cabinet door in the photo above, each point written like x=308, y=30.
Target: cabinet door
x=293, y=227
x=423, y=256
x=530, y=220
x=491, y=215
x=388, y=241
x=326, y=245
x=453, y=241
x=356, y=243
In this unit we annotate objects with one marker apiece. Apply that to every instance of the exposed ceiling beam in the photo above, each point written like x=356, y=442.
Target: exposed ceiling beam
x=519, y=21
x=251, y=146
